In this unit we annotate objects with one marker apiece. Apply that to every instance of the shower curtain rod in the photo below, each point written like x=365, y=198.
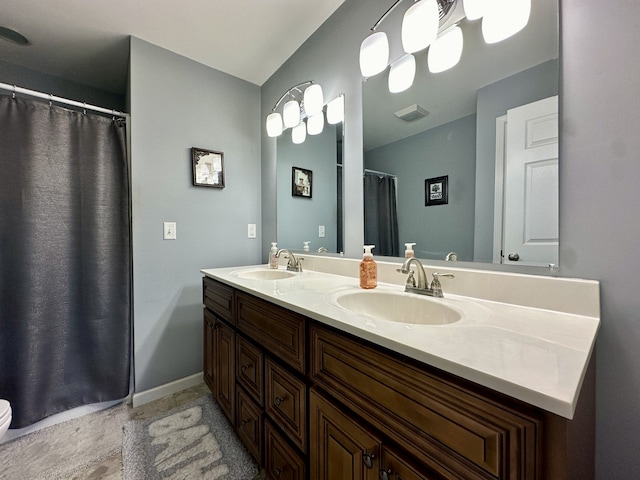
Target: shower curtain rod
x=376, y=172
x=65, y=101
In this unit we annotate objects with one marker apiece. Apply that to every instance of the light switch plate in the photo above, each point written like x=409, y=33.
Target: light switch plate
x=251, y=230
x=321, y=231
x=169, y=230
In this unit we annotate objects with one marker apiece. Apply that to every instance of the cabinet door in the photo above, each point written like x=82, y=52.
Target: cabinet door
x=224, y=354
x=340, y=449
x=208, y=360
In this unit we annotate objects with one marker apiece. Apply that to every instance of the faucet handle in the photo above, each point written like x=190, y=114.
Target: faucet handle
x=435, y=284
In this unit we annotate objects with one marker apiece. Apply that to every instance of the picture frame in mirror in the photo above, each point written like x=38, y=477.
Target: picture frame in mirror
x=301, y=182
x=436, y=191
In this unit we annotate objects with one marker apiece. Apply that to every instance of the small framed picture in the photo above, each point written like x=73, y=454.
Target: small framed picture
x=301, y=182
x=436, y=191
x=208, y=168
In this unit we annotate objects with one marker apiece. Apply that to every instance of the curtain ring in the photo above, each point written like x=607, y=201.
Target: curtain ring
x=84, y=110
x=14, y=92
x=50, y=100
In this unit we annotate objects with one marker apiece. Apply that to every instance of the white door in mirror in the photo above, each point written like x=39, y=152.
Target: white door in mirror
x=531, y=184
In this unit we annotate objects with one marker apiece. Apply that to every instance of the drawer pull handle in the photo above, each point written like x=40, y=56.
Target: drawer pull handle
x=278, y=401
x=385, y=475
x=244, y=422
x=244, y=368
x=367, y=459
x=279, y=471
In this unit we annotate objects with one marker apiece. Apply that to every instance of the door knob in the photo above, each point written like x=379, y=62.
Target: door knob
x=514, y=257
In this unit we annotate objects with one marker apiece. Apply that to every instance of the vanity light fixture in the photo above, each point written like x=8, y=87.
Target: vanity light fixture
x=504, y=18
x=446, y=51
x=500, y=20
x=402, y=73
x=420, y=25
x=291, y=112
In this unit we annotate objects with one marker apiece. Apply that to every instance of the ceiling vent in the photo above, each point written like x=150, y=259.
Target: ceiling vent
x=411, y=113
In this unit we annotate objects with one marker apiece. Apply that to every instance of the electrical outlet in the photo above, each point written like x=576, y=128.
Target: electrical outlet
x=169, y=231
x=251, y=230
x=321, y=231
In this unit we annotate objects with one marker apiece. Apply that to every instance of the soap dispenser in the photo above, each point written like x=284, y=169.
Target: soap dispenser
x=409, y=253
x=368, y=269
x=273, y=259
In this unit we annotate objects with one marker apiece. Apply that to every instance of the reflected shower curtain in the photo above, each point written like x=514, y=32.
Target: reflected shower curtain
x=65, y=266
x=380, y=214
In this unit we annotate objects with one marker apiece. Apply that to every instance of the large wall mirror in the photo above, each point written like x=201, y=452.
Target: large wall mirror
x=309, y=190
x=458, y=125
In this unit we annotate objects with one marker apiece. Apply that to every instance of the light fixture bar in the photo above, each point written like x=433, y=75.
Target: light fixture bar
x=288, y=92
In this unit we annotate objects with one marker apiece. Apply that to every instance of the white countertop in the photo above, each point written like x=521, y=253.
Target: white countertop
x=536, y=355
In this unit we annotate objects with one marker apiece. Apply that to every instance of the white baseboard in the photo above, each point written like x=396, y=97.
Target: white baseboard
x=140, y=398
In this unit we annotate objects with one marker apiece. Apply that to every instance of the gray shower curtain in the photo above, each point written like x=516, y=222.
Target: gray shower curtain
x=65, y=263
x=380, y=214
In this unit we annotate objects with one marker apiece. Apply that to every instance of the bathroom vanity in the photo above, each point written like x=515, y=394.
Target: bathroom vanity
x=319, y=388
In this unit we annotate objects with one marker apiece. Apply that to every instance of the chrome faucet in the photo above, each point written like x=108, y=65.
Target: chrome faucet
x=293, y=265
x=422, y=287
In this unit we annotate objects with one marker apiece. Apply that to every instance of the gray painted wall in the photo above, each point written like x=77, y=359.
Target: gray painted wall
x=449, y=149
x=177, y=104
x=494, y=100
x=299, y=217
x=599, y=178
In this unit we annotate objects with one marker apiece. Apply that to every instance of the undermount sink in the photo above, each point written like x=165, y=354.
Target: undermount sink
x=398, y=307
x=263, y=274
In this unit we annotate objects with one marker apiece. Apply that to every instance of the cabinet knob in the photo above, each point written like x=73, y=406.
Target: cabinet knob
x=367, y=459
x=244, y=368
x=385, y=474
x=278, y=401
x=278, y=471
x=244, y=422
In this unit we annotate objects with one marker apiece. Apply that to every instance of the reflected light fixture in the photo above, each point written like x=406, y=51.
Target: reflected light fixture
x=335, y=110
x=299, y=133
x=402, y=73
x=315, y=124
x=420, y=25
x=504, y=18
x=374, y=54
x=446, y=51
x=291, y=112
x=474, y=9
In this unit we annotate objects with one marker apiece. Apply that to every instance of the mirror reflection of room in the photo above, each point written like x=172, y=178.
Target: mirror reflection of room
x=454, y=123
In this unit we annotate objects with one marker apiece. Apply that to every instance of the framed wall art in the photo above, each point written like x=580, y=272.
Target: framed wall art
x=436, y=191
x=301, y=182
x=208, y=168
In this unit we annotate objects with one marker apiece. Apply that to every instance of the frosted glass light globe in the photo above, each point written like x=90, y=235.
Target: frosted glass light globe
x=420, y=25
x=299, y=133
x=446, y=51
x=291, y=113
x=315, y=124
x=504, y=18
x=335, y=110
x=274, y=124
x=402, y=73
x=313, y=99
x=374, y=54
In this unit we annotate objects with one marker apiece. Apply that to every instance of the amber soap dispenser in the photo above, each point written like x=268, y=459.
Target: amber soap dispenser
x=368, y=269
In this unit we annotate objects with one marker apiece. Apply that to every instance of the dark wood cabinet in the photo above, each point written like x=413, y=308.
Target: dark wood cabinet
x=308, y=399
x=208, y=368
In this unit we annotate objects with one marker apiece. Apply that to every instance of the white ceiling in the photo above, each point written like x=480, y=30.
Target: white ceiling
x=87, y=40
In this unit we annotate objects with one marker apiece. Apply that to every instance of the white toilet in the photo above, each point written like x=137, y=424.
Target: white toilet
x=5, y=417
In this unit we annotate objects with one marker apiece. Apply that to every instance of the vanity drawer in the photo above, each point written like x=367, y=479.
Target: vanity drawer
x=219, y=298
x=286, y=402
x=249, y=425
x=281, y=461
x=470, y=436
x=250, y=368
x=278, y=330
